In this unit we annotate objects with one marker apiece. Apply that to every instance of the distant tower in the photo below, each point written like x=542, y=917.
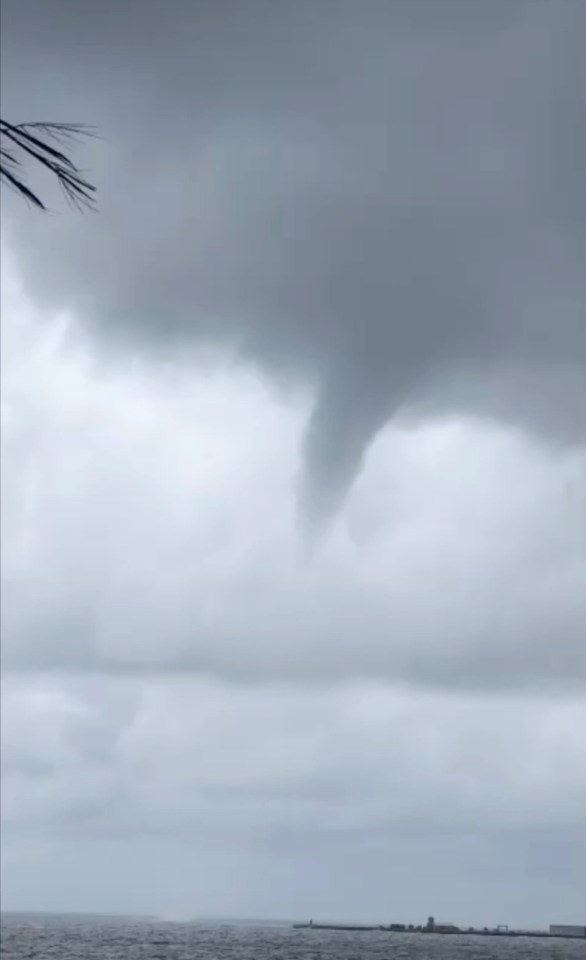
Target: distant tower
x=430, y=923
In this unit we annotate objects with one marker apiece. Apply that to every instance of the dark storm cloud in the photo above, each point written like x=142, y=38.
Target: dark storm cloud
x=386, y=199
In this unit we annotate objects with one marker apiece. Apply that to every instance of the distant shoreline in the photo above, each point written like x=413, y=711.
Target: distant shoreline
x=407, y=930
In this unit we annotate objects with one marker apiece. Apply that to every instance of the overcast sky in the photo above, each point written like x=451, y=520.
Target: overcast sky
x=294, y=463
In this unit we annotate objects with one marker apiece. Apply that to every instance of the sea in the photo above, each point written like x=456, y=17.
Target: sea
x=92, y=938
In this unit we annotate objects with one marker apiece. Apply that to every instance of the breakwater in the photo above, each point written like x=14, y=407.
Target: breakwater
x=442, y=930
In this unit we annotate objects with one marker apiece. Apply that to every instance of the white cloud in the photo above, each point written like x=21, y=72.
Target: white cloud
x=181, y=755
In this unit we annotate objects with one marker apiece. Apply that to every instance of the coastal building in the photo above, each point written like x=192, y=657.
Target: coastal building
x=432, y=927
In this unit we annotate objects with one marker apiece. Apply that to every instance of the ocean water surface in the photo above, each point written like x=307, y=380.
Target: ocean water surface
x=56, y=938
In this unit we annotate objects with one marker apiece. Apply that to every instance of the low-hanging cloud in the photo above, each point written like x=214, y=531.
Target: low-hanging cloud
x=384, y=202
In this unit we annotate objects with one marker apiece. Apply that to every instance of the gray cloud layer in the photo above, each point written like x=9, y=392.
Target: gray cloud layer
x=370, y=214
x=212, y=799
x=387, y=200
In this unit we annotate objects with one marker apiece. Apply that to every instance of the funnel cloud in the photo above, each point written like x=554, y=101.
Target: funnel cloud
x=376, y=200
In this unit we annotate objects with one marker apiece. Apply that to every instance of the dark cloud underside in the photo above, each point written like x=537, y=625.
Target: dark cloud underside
x=387, y=199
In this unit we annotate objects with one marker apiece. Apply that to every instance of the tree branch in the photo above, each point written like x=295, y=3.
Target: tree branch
x=31, y=141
